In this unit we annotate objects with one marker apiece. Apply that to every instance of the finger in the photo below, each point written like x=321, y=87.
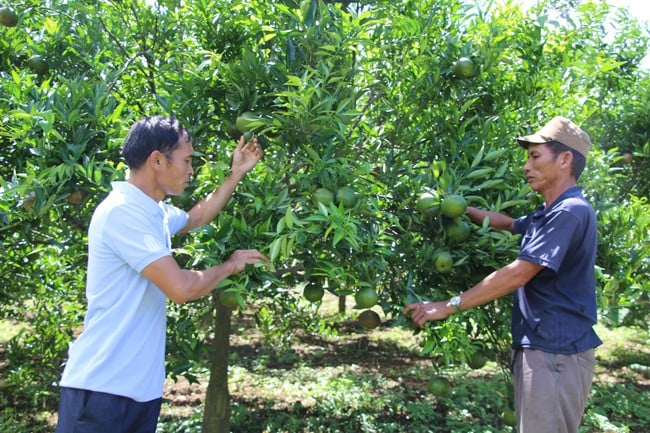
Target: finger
x=252, y=145
x=262, y=257
x=240, y=144
x=256, y=256
x=409, y=308
x=419, y=319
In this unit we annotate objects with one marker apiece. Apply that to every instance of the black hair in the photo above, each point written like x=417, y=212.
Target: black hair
x=149, y=134
x=579, y=160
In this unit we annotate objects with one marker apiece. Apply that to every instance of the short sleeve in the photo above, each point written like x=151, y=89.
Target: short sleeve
x=547, y=243
x=140, y=239
x=176, y=218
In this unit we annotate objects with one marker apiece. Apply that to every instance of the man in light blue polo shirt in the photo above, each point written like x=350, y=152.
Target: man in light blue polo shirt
x=553, y=280
x=113, y=379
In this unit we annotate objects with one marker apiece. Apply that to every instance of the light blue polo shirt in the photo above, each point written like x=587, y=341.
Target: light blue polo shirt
x=121, y=350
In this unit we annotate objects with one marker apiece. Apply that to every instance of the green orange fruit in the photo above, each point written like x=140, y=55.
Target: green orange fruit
x=8, y=17
x=476, y=361
x=313, y=292
x=438, y=385
x=229, y=298
x=458, y=230
x=369, y=319
x=248, y=136
x=76, y=197
x=432, y=212
x=324, y=196
x=464, y=68
x=426, y=201
x=443, y=261
x=509, y=418
x=453, y=206
x=346, y=196
x=366, y=297
x=38, y=64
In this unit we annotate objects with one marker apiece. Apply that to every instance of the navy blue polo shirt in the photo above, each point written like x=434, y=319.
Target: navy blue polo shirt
x=556, y=310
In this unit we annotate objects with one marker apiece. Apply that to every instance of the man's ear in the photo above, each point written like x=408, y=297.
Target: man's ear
x=566, y=159
x=154, y=159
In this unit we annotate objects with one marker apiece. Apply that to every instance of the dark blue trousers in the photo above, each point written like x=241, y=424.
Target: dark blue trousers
x=82, y=411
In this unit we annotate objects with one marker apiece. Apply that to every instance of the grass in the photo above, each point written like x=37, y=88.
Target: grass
x=373, y=381
x=8, y=330
x=13, y=419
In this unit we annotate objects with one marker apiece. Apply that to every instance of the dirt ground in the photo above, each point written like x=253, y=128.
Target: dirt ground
x=386, y=350
x=618, y=361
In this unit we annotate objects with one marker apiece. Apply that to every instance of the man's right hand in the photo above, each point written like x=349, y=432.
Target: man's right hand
x=240, y=258
x=497, y=221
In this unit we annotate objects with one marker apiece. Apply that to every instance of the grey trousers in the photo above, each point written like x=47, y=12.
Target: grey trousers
x=551, y=390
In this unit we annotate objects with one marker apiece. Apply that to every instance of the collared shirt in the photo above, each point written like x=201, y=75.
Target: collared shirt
x=556, y=310
x=122, y=347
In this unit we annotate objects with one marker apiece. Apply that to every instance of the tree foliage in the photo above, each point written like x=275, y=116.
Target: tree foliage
x=362, y=95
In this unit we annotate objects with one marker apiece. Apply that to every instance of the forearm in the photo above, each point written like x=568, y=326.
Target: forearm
x=199, y=283
x=182, y=285
x=207, y=209
x=244, y=159
x=499, y=283
x=497, y=220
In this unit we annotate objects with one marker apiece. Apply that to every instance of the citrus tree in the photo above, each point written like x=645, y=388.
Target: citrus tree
x=380, y=121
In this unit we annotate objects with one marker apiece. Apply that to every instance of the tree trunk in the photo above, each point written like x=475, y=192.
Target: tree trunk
x=342, y=304
x=216, y=415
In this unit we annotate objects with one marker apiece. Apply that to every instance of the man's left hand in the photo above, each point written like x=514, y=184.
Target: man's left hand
x=246, y=155
x=422, y=312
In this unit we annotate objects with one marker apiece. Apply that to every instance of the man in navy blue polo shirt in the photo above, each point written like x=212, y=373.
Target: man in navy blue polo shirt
x=553, y=281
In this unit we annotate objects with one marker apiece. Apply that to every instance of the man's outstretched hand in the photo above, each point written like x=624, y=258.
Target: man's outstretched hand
x=422, y=312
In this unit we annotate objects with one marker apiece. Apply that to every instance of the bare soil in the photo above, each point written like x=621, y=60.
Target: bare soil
x=617, y=362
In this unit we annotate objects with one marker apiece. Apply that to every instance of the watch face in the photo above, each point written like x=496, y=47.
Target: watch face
x=455, y=302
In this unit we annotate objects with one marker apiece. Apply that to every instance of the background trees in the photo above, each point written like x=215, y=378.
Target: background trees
x=362, y=95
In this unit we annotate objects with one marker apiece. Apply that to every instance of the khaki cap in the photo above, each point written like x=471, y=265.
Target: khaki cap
x=562, y=130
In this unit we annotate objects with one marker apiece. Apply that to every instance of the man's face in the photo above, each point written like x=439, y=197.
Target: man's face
x=178, y=171
x=542, y=169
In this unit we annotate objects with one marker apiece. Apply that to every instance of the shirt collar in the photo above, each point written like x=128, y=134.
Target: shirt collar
x=134, y=194
x=574, y=191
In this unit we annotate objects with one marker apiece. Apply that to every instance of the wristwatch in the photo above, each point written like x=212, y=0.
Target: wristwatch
x=455, y=302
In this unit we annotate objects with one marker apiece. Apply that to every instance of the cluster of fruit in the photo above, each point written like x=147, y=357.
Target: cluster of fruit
x=453, y=207
x=345, y=196
x=37, y=63
x=365, y=299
